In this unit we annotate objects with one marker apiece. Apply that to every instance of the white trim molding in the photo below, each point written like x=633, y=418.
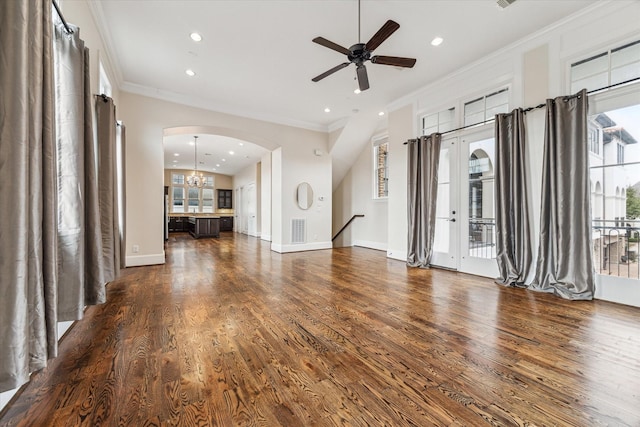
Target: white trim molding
x=379, y=246
x=301, y=248
x=140, y=260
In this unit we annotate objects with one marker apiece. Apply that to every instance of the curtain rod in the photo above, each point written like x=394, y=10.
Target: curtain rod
x=526, y=110
x=64, y=22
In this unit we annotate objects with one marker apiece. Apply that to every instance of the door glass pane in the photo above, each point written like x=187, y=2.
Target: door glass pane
x=442, y=240
x=615, y=192
x=481, y=199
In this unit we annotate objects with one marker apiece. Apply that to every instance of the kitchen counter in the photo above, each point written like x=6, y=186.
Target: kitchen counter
x=204, y=225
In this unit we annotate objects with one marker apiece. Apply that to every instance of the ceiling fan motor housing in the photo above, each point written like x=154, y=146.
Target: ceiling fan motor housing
x=359, y=53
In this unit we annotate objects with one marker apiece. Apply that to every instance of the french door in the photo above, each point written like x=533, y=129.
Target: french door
x=465, y=210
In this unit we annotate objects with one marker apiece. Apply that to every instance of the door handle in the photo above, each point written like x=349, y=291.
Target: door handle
x=452, y=220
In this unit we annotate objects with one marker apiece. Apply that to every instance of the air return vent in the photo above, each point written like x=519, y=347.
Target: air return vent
x=298, y=230
x=504, y=3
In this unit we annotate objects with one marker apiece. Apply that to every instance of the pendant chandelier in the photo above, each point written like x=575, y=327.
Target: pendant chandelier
x=195, y=179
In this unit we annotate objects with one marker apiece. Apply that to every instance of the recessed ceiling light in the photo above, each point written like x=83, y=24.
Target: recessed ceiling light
x=192, y=143
x=224, y=160
x=231, y=152
x=437, y=41
x=217, y=165
x=175, y=161
x=327, y=110
x=381, y=113
x=195, y=37
x=176, y=154
x=190, y=72
x=356, y=90
x=240, y=144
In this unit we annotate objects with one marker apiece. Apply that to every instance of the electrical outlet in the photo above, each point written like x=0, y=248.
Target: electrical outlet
x=135, y=249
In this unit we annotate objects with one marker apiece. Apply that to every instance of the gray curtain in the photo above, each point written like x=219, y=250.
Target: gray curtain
x=108, y=185
x=422, y=178
x=565, y=265
x=28, y=248
x=122, y=144
x=513, y=236
x=81, y=271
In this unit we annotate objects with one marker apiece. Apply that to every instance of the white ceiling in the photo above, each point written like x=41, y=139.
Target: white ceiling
x=257, y=59
x=214, y=153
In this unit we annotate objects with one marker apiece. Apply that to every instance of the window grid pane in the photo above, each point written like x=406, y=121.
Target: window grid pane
x=615, y=66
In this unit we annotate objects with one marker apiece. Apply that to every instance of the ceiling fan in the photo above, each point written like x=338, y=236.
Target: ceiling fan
x=360, y=52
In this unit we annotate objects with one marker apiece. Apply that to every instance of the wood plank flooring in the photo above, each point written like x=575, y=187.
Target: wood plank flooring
x=229, y=333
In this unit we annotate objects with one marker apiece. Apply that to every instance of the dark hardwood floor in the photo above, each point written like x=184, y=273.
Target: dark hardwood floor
x=229, y=333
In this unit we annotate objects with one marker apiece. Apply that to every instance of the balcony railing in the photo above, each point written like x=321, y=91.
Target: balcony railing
x=616, y=244
x=482, y=238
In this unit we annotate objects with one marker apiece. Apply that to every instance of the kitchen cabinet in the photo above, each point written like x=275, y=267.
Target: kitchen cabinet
x=226, y=223
x=225, y=199
x=177, y=223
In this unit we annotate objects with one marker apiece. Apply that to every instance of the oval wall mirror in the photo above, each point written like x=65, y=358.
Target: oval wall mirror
x=304, y=195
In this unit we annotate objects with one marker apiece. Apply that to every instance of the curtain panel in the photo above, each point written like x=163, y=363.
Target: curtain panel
x=108, y=185
x=81, y=270
x=565, y=264
x=422, y=169
x=28, y=192
x=514, y=246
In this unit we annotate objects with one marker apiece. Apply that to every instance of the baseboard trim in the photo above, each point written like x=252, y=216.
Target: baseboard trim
x=140, y=260
x=266, y=237
x=620, y=290
x=399, y=255
x=371, y=245
x=300, y=248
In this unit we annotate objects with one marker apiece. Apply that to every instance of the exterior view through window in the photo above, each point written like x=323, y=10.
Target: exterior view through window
x=614, y=160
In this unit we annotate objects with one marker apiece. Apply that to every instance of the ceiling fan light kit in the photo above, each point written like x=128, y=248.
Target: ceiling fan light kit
x=360, y=53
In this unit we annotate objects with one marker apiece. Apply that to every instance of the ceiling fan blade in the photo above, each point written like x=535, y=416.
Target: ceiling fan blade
x=331, y=45
x=383, y=33
x=331, y=71
x=363, y=79
x=394, y=60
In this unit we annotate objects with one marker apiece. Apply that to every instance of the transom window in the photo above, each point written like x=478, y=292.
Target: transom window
x=441, y=121
x=486, y=107
x=614, y=66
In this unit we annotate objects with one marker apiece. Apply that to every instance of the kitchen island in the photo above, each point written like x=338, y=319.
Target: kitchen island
x=204, y=226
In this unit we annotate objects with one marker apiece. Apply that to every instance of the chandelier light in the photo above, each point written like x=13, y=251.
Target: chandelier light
x=195, y=179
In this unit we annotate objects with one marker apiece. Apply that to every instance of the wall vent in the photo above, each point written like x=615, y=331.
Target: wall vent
x=504, y=3
x=298, y=230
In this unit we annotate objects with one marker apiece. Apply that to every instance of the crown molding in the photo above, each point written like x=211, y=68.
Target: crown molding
x=413, y=96
x=95, y=7
x=209, y=105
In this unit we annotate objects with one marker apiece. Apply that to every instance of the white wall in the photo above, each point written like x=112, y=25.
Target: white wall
x=402, y=126
x=301, y=164
x=265, y=205
x=354, y=196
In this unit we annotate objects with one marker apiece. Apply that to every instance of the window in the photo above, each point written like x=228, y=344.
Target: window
x=594, y=142
x=178, y=199
x=104, y=83
x=380, y=167
x=485, y=108
x=607, y=68
x=620, y=154
x=194, y=199
x=438, y=122
x=207, y=199
x=177, y=179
